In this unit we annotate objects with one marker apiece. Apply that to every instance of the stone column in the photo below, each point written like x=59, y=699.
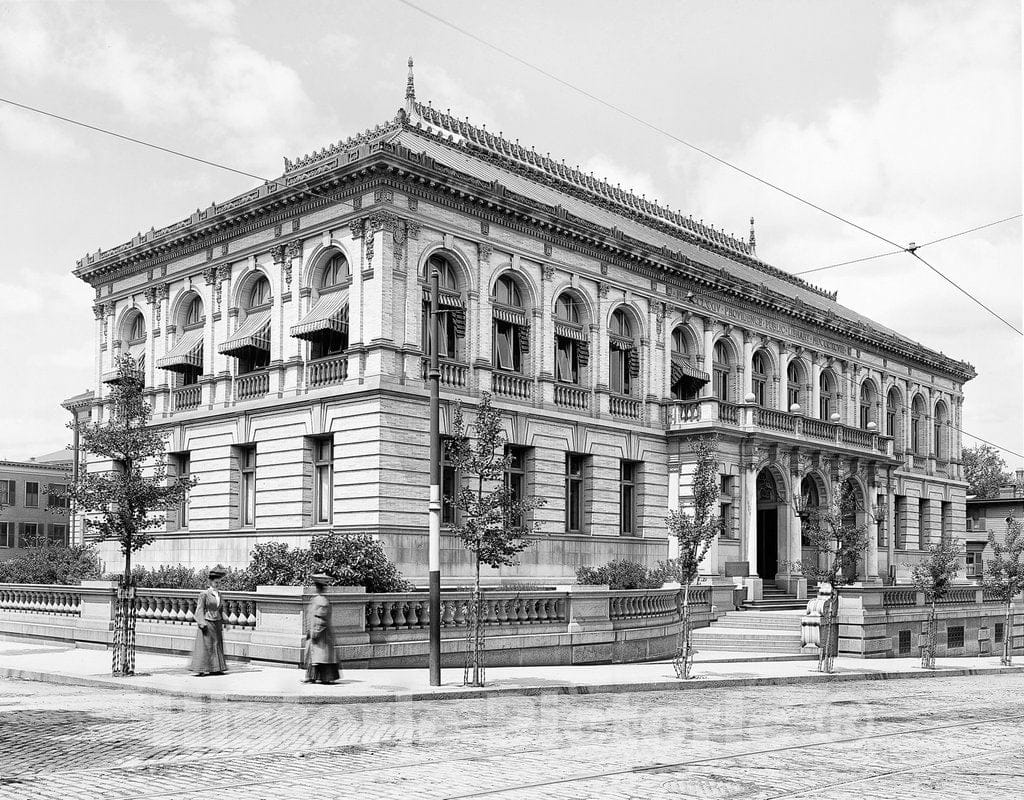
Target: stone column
x=815, y=409
x=748, y=357
x=784, y=356
x=748, y=516
x=708, y=389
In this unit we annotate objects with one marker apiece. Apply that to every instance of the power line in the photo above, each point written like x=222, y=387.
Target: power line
x=969, y=230
x=957, y=286
x=641, y=121
x=854, y=261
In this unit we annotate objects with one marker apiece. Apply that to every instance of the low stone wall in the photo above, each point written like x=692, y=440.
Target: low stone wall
x=564, y=625
x=875, y=620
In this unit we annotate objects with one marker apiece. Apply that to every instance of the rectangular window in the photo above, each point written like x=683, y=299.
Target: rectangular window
x=1000, y=632
x=506, y=346
x=574, y=466
x=628, y=472
x=975, y=566
x=55, y=495
x=792, y=396
x=8, y=493
x=449, y=486
x=946, y=519
x=899, y=522
x=247, y=485
x=29, y=535
x=515, y=478
x=184, y=469
x=59, y=535
x=721, y=387
x=883, y=523
x=760, y=391
x=890, y=421
x=618, y=371
x=565, y=360
x=923, y=524
x=7, y=534
x=727, y=529
x=824, y=406
x=954, y=637
x=904, y=643
x=865, y=416
x=323, y=480
x=31, y=494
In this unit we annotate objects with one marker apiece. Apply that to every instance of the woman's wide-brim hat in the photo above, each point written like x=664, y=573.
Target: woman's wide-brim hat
x=218, y=571
x=322, y=578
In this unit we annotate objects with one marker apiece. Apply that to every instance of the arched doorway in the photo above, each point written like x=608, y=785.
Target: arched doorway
x=769, y=500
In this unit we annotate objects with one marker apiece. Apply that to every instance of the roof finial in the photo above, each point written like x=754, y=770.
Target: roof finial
x=753, y=239
x=410, y=91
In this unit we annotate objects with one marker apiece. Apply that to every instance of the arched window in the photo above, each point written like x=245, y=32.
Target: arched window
x=259, y=294
x=828, y=402
x=510, y=326
x=137, y=331
x=249, y=345
x=759, y=377
x=194, y=312
x=336, y=271
x=794, y=380
x=940, y=430
x=866, y=406
x=918, y=439
x=892, y=408
x=721, y=364
x=572, y=348
x=451, y=308
x=686, y=378
x=623, y=356
x=810, y=501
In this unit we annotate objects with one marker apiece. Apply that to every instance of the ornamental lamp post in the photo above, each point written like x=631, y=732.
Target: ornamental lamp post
x=434, y=522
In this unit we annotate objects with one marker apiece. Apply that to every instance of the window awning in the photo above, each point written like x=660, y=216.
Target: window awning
x=186, y=355
x=511, y=317
x=252, y=334
x=569, y=332
x=445, y=298
x=329, y=313
x=681, y=368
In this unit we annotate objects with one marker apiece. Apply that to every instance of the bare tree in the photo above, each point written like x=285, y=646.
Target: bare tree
x=123, y=503
x=694, y=529
x=492, y=522
x=933, y=577
x=838, y=541
x=1004, y=576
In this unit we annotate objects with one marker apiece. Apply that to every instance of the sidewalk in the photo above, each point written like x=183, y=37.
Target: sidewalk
x=248, y=682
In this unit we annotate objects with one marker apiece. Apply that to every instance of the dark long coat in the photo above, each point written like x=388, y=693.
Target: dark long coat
x=208, y=651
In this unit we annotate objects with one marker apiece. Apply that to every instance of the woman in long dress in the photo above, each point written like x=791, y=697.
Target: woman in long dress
x=320, y=662
x=208, y=652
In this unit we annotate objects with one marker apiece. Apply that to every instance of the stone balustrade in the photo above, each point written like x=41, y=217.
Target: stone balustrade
x=626, y=407
x=32, y=599
x=569, y=396
x=254, y=384
x=507, y=384
x=178, y=606
x=185, y=398
x=326, y=371
x=453, y=374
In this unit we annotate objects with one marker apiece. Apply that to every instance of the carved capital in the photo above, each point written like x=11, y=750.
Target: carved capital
x=548, y=272
x=277, y=253
x=294, y=249
x=223, y=272
x=414, y=230
x=356, y=228
x=486, y=251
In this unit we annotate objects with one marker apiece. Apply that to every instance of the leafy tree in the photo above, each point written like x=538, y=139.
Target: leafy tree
x=984, y=470
x=123, y=504
x=492, y=522
x=64, y=566
x=694, y=529
x=1004, y=576
x=838, y=542
x=933, y=577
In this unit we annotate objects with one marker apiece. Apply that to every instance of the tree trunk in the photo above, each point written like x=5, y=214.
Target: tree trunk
x=1007, y=659
x=475, y=673
x=829, y=632
x=683, y=660
x=928, y=654
x=123, y=654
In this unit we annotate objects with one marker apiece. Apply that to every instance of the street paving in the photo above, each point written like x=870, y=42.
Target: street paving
x=936, y=737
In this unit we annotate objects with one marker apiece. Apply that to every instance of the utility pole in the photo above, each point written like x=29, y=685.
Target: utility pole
x=434, y=548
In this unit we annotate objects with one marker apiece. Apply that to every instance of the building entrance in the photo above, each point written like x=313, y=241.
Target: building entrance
x=767, y=543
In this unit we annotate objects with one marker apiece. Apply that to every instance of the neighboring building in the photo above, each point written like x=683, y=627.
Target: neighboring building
x=32, y=509
x=282, y=341
x=990, y=515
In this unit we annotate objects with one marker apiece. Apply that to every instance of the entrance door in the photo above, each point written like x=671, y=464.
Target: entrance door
x=767, y=543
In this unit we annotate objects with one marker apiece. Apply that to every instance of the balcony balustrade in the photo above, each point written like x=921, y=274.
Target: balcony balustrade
x=624, y=407
x=507, y=384
x=572, y=397
x=254, y=384
x=326, y=371
x=453, y=374
x=185, y=398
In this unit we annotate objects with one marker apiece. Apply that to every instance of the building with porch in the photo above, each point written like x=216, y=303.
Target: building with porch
x=281, y=338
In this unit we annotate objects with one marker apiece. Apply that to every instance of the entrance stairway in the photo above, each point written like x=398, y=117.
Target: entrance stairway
x=752, y=631
x=774, y=599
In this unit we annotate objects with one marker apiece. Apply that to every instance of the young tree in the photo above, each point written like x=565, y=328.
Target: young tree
x=984, y=470
x=838, y=542
x=491, y=519
x=933, y=577
x=123, y=503
x=694, y=529
x=1004, y=575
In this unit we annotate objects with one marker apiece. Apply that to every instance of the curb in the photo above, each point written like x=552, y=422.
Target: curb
x=501, y=691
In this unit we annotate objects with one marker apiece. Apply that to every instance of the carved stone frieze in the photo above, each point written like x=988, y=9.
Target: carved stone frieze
x=383, y=195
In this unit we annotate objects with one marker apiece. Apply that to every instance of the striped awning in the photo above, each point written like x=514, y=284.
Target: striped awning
x=187, y=353
x=329, y=313
x=445, y=298
x=510, y=316
x=569, y=332
x=253, y=334
x=681, y=368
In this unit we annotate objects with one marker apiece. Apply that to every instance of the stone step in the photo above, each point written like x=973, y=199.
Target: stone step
x=747, y=640
x=773, y=604
x=759, y=620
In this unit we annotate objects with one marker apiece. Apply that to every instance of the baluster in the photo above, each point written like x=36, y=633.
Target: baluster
x=372, y=616
x=388, y=620
x=413, y=618
x=399, y=613
x=447, y=614
x=461, y=613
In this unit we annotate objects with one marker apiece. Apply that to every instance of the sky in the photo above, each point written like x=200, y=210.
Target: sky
x=904, y=117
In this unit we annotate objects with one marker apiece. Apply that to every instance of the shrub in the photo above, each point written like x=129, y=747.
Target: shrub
x=622, y=574
x=65, y=566
x=178, y=576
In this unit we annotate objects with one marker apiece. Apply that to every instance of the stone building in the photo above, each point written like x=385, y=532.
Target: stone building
x=32, y=508
x=282, y=340
x=991, y=515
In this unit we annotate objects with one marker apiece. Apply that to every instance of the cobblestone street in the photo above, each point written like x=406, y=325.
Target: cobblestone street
x=943, y=737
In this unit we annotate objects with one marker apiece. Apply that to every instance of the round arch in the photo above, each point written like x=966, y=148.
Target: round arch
x=180, y=305
x=242, y=284
x=527, y=288
x=126, y=320
x=772, y=502
x=633, y=314
x=585, y=304
x=458, y=260
x=314, y=262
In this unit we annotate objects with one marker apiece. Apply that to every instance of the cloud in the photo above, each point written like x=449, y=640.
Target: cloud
x=23, y=132
x=217, y=16
x=606, y=168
